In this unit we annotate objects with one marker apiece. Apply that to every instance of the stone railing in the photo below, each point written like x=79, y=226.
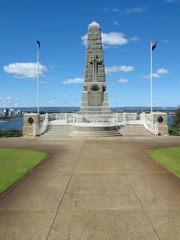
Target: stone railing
x=93, y=119
x=153, y=128
x=41, y=127
x=103, y=119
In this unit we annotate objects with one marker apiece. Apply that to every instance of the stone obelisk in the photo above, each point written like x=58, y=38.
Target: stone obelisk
x=94, y=95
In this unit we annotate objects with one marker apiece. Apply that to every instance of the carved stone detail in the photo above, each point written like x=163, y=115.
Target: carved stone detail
x=95, y=87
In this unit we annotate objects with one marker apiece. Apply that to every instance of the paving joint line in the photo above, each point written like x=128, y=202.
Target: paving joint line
x=49, y=232
x=142, y=207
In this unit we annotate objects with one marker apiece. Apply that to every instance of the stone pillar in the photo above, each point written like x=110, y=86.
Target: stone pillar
x=94, y=95
x=29, y=120
x=161, y=119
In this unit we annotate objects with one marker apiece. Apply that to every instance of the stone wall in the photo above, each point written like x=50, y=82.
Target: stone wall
x=29, y=120
x=161, y=119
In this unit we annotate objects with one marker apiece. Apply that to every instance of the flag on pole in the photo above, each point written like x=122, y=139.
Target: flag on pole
x=39, y=44
x=153, y=45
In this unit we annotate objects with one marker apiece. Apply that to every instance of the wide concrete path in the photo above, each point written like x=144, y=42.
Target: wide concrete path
x=93, y=188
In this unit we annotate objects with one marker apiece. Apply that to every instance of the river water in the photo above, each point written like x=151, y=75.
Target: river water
x=17, y=123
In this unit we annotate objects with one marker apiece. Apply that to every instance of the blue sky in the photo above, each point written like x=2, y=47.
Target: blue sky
x=61, y=26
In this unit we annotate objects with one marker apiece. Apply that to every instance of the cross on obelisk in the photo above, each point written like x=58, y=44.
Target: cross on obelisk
x=95, y=62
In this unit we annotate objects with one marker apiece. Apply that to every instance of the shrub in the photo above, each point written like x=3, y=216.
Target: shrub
x=175, y=127
x=11, y=133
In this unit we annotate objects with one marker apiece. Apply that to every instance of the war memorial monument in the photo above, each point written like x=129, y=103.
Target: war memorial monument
x=95, y=116
x=94, y=95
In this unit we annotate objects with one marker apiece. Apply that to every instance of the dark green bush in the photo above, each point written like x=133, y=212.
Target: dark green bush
x=175, y=127
x=11, y=133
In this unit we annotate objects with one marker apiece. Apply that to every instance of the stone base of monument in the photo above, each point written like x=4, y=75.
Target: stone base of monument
x=95, y=124
x=95, y=109
x=95, y=119
x=96, y=112
x=29, y=120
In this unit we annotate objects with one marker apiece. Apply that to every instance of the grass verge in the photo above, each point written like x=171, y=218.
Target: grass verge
x=168, y=157
x=15, y=163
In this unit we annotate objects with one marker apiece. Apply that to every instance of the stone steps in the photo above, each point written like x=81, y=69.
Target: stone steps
x=59, y=131
x=56, y=131
x=134, y=130
x=96, y=133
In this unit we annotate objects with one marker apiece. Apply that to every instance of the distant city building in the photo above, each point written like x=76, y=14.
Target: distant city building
x=5, y=112
x=11, y=113
x=18, y=113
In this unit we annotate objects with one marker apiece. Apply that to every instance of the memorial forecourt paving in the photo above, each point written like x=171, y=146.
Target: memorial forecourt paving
x=105, y=188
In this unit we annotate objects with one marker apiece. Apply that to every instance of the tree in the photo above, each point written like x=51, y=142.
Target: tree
x=177, y=118
x=175, y=127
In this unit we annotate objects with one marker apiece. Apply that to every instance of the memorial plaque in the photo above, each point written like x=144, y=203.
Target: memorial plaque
x=95, y=99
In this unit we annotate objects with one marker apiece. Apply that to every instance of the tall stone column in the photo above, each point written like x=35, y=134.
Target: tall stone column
x=94, y=95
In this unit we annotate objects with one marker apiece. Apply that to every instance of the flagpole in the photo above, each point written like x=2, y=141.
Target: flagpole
x=38, y=53
x=151, y=76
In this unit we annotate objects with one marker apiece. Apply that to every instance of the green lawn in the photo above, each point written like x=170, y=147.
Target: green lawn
x=169, y=158
x=15, y=163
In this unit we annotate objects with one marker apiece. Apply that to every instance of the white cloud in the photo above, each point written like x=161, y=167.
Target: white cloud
x=65, y=95
x=169, y=1
x=162, y=71
x=112, y=38
x=115, y=10
x=24, y=70
x=172, y=1
x=136, y=10
x=115, y=23
x=134, y=39
x=114, y=69
x=73, y=81
x=8, y=102
x=84, y=39
x=154, y=75
x=106, y=9
x=157, y=74
x=122, y=80
x=51, y=102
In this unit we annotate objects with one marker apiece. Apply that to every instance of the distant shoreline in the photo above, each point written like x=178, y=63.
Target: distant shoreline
x=116, y=109
x=7, y=118
x=4, y=118
x=49, y=110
